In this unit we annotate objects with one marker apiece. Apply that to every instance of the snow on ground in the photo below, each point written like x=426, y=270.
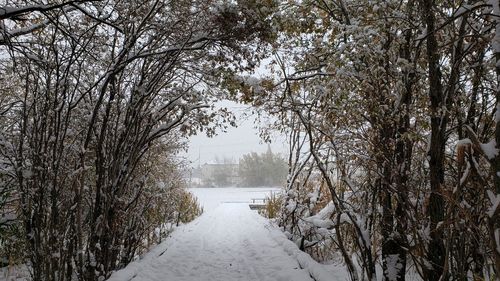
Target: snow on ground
x=210, y=198
x=228, y=242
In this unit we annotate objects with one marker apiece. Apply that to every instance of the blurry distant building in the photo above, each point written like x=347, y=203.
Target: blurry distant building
x=252, y=170
x=215, y=175
x=195, y=177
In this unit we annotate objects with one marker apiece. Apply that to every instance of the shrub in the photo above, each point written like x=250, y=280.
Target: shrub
x=188, y=208
x=272, y=206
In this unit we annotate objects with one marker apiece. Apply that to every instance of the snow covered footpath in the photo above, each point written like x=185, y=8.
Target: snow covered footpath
x=228, y=242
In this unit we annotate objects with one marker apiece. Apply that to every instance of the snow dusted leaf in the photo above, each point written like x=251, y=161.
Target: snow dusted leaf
x=495, y=203
x=490, y=149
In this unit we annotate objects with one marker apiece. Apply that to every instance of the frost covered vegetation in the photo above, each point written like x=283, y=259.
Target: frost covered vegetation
x=97, y=98
x=392, y=110
x=393, y=116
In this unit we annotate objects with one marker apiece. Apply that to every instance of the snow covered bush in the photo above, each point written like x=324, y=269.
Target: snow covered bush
x=304, y=199
x=374, y=97
x=99, y=98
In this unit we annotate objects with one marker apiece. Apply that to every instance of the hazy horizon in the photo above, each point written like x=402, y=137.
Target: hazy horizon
x=234, y=143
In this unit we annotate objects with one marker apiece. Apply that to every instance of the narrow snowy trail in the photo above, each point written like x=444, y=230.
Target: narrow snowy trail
x=230, y=242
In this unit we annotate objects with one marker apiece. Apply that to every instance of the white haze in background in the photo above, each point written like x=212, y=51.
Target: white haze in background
x=234, y=143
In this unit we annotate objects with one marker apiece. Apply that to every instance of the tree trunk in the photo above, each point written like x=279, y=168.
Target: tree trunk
x=439, y=120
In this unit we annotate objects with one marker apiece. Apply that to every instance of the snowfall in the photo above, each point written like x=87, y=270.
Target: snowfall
x=229, y=241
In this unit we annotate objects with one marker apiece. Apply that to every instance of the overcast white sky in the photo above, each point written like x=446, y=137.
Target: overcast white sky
x=234, y=143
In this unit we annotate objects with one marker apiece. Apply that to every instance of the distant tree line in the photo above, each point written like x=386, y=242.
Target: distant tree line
x=253, y=170
x=266, y=169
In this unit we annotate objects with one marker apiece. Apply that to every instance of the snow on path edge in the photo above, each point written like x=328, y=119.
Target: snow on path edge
x=316, y=270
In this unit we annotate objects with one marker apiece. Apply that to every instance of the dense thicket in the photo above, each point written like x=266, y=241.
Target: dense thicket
x=391, y=108
x=96, y=100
